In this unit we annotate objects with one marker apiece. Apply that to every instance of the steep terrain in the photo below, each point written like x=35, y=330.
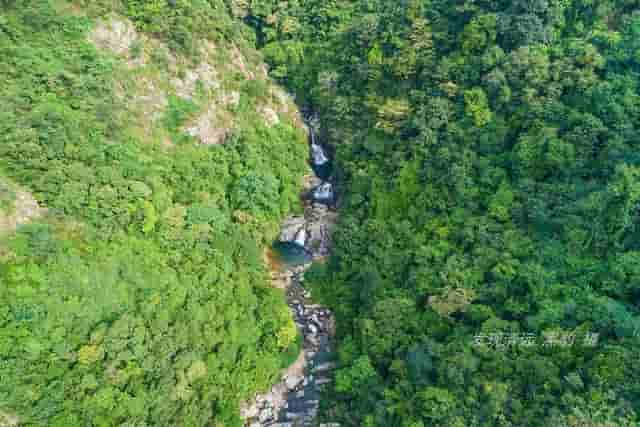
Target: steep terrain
x=303, y=239
x=142, y=175
x=485, y=266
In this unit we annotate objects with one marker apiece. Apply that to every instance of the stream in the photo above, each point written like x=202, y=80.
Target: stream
x=305, y=238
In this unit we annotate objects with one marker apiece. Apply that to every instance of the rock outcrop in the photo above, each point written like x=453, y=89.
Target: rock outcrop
x=210, y=85
x=312, y=231
x=17, y=207
x=295, y=400
x=291, y=227
x=323, y=193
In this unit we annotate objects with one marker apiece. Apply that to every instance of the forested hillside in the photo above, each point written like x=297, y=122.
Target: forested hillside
x=145, y=161
x=486, y=268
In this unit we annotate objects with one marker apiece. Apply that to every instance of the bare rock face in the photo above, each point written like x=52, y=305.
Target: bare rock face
x=291, y=227
x=269, y=115
x=211, y=81
x=8, y=420
x=22, y=207
x=204, y=73
x=209, y=128
x=118, y=36
x=239, y=64
x=115, y=35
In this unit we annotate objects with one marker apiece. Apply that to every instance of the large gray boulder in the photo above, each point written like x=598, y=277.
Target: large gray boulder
x=291, y=228
x=323, y=193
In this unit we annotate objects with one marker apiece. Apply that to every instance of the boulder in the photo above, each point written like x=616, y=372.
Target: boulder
x=301, y=237
x=249, y=411
x=311, y=181
x=290, y=228
x=293, y=381
x=323, y=193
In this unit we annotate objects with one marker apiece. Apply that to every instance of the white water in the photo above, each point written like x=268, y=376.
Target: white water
x=301, y=237
x=318, y=156
x=323, y=193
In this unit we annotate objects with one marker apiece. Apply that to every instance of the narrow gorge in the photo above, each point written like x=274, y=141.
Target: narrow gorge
x=304, y=239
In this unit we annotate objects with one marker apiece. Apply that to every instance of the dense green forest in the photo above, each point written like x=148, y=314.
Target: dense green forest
x=486, y=268
x=140, y=297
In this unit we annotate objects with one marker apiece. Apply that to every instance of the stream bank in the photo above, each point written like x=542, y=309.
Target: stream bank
x=303, y=239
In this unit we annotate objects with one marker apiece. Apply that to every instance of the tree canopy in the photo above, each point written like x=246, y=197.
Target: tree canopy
x=141, y=297
x=486, y=162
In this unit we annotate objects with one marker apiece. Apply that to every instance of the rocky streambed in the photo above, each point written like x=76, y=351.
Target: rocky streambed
x=294, y=402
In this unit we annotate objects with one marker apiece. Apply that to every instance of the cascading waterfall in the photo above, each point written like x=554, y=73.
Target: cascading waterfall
x=295, y=401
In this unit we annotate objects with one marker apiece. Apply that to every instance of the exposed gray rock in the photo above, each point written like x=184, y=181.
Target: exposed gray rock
x=290, y=228
x=323, y=193
x=210, y=128
x=301, y=237
x=293, y=381
x=117, y=35
x=204, y=73
x=296, y=397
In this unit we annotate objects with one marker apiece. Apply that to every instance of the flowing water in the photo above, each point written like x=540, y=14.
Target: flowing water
x=291, y=254
x=295, y=401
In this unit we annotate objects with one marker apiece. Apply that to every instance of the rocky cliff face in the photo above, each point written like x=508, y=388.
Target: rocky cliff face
x=171, y=165
x=214, y=87
x=209, y=86
x=17, y=206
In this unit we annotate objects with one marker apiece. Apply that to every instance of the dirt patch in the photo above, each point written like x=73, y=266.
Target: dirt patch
x=117, y=35
x=8, y=420
x=18, y=207
x=204, y=73
x=212, y=127
x=239, y=64
x=269, y=115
